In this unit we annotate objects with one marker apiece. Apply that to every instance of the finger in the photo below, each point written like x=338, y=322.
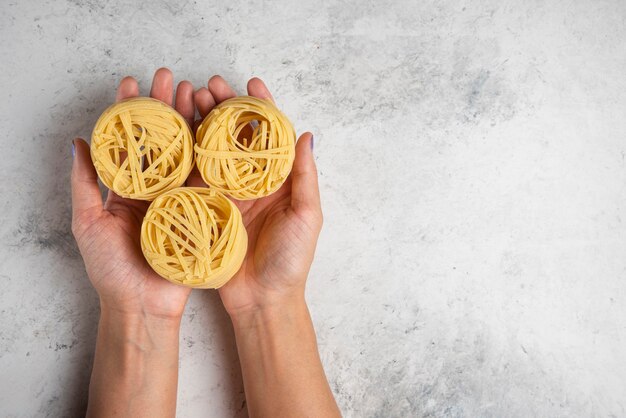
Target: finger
x=163, y=86
x=128, y=88
x=220, y=89
x=112, y=197
x=305, y=195
x=257, y=88
x=184, y=101
x=85, y=191
x=204, y=101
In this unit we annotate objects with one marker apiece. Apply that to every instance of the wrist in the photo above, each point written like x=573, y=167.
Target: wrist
x=135, y=307
x=246, y=297
x=136, y=362
x=138, y=324
x=287, y=310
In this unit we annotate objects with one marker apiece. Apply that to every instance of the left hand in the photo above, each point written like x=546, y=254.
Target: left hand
x=108, y=234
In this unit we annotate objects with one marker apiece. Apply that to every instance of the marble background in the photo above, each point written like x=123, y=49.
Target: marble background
x=472, y=158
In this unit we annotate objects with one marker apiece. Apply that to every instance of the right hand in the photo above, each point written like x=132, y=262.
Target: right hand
x=282, y=228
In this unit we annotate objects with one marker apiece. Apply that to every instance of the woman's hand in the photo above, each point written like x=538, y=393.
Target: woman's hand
x=108, y=234
x=281, y=368
x=282, y=228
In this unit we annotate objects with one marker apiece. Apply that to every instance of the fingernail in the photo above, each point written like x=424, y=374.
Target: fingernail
x=312, y=142
x=73, y=150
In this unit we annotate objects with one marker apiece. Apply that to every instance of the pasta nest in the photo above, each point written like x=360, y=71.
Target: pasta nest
x=245, y=147
x=142, y=147
x=195, y=237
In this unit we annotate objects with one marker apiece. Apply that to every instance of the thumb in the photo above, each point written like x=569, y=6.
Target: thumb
x=305, y=194
x=86, y=197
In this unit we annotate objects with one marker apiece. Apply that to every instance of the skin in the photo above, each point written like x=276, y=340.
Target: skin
x=135, y=369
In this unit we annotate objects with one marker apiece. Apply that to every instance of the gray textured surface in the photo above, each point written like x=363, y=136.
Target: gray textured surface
x=472, y=162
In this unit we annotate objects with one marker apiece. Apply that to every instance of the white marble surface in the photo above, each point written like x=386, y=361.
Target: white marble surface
x=472, y=163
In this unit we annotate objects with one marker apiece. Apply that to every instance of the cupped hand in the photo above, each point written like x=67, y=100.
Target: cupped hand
x=108, y=232
x=282, y=228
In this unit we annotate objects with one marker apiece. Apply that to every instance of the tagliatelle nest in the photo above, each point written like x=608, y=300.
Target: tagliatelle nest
x=245, y=147
x=195, y=237
x=142, y=147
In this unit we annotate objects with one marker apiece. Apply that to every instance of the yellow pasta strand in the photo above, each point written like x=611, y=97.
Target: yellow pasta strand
x=245, y=147
x=142, y=147
x=195, y=237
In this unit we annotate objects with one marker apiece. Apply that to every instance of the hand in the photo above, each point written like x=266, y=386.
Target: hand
x=282, y=228
x=108, y=234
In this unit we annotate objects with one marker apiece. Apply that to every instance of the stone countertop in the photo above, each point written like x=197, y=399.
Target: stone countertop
x=473, y=175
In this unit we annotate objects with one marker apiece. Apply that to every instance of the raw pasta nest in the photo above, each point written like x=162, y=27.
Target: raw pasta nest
x=142, y=147
x=245, y=147
x=195, y=237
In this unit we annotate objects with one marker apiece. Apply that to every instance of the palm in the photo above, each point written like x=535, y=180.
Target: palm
x=109, y=235
x=281, y=242
x=122, y=272
x=272, y=263
x=282, y=228
x=270, y=223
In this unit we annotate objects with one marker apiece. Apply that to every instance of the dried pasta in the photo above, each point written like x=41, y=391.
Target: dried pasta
x=142, y=147
x=245, y=147
x=195, y=237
